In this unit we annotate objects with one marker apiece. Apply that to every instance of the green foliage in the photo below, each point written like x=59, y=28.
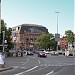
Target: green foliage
x=70, y=36
x=7, y=34
x=46, y=41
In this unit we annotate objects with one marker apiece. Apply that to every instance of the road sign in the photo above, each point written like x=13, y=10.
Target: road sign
x=57, y=37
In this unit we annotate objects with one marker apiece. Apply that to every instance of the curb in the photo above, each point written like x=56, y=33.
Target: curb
x=4, y=69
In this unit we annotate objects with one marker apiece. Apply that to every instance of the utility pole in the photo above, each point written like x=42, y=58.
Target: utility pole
x=57, y=35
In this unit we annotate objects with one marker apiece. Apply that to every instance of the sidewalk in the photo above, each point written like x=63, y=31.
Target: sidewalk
x=5, y=68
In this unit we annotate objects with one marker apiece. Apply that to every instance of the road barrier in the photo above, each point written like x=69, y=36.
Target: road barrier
x=14, y=54
x=19, y=54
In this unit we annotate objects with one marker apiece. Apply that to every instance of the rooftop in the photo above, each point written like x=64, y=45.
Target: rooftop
x=36, y=25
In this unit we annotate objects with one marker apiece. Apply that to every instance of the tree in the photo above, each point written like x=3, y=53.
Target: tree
x=7, y=34
x=3, y=28
x=70, y=36
x=46, y=41
x=8, y=38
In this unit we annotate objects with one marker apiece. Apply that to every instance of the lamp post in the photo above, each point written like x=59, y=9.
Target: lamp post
x=57, y=20
x=57, y=35
x=3, y=39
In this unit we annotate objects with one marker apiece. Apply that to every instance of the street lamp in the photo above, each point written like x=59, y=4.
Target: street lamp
x=57, y=35
x=57, y=20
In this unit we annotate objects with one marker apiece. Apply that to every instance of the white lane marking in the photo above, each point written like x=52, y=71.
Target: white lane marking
x=27, y=70
x=31, y=68
x=40, y=69
x=24, y=63
x=33, y=57
x=27, y=59
x=23, y=67
x=39, y=61
x=15, y=66
x=50, y=73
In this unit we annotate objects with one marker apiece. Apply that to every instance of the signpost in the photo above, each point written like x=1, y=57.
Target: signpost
x=57, y=38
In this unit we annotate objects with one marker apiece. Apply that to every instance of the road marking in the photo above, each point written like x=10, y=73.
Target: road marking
x=15, y=66
x=24, y=63
x=50, y=73
x=39, y=61
x=23, y=67
x=31, y=68
x=27, y=70
x=27, y=59
x=33, y=57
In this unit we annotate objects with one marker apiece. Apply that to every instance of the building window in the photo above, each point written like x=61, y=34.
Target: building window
x=18, y=28
x=34, y=30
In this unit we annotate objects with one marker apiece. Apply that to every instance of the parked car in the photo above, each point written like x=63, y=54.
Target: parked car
x=35, y=51
x=60, y=53
x=70, y=54
x=42, y=54
x=30, y=53
x=46, y=51
x=54, y=53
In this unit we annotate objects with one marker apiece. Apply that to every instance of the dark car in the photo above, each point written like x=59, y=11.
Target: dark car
x=70, y=54
x=42, y=54
x=29, y=53
x=36, y=51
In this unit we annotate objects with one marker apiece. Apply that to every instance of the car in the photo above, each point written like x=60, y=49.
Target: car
x=47, y=52
x=61, y=52
x=54, y=53
x=35, y=51
x=42, y=54
x=30, y=53
x=70, y=54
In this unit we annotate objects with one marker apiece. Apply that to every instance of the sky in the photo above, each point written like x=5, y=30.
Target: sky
x=41, y=12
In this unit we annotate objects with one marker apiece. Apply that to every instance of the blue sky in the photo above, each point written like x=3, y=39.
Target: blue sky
x=41, y=12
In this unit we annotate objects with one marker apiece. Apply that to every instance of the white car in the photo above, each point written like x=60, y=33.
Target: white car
x=54, y=53
x=47, y=52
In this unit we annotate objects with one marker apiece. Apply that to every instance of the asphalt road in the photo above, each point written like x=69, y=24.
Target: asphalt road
x=33, y=65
